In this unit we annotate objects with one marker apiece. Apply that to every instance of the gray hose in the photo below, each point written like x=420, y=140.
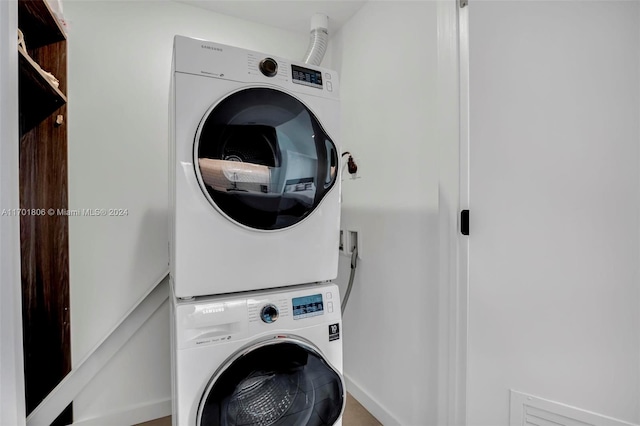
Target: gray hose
x=354, y=266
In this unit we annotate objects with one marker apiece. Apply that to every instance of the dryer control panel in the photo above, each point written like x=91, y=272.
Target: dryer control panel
x=209, y=59
x=306, y=76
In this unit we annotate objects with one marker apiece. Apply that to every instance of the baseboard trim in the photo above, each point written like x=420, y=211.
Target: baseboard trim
x=378, y=411
x=131, y=415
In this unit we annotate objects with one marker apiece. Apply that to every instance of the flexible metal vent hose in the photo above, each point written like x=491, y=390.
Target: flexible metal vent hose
x=319, y=38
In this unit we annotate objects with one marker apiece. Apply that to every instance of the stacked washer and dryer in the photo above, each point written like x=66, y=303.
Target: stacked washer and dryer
x=255, y=211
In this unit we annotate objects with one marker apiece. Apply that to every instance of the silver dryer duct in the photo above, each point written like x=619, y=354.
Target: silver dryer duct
x=319, y=38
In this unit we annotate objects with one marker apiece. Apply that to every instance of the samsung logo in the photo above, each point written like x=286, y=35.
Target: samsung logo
x=217, y=49
x=212, y=309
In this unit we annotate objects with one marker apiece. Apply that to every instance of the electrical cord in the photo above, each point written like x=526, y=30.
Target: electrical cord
x=352, y=167
x=352, y=275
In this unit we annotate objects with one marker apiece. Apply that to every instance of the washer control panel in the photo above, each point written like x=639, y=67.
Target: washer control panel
x=221, y=319
x=307, y=306
x=288, y=309
x=269, y=313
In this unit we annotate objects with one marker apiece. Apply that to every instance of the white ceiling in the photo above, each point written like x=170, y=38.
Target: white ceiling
x=292, y=15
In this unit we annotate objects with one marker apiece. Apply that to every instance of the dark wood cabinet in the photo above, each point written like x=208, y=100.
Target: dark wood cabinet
x=44, y=242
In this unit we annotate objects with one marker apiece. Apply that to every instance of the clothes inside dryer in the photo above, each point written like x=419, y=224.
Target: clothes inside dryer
x=263, y=158
x=282, y=383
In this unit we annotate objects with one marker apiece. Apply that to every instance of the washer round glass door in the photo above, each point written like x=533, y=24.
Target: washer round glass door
x=279, y=382
x=263, y=159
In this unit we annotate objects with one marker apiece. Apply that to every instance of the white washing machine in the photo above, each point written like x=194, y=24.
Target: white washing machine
x=262, y=358
x=254, y=170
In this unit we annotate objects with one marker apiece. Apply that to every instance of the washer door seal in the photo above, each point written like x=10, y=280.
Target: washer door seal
x=276, y=382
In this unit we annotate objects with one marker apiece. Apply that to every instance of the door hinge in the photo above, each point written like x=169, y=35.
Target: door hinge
x=463, y=3
x=464, y=222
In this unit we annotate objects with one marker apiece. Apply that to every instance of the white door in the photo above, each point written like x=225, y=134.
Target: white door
x=555, y=202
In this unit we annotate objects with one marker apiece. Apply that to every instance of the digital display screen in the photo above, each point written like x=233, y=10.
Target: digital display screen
x=307, y=306
x=306, y=76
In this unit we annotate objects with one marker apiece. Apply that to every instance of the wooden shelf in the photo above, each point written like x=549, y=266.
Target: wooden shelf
x=38, y=96
x=44, y=242
x=38, y=24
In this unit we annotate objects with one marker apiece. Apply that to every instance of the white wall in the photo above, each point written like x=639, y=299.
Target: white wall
x=119, y=59
x=555, y=202
x=386, y=57
x=12, y=404
x=119, y=70
x=452, y=245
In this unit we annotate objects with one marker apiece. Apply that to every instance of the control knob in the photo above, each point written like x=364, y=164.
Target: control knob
x=269, y=313
x=269, y=67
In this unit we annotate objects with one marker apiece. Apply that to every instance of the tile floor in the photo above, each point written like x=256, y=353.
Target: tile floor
x=354, y=415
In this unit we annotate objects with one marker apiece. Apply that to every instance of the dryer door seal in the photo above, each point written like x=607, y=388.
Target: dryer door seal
x=277, y=382
x=263, y=159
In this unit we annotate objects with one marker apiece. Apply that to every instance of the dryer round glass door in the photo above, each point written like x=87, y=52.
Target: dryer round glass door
x=279, y=382
x=263, y=159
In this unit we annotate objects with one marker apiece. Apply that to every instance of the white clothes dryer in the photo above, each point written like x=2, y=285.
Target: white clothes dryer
x=262, y=358
x=254, y=170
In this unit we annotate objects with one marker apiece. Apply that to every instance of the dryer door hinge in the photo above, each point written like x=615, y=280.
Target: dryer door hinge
x=463, y=3
x=464, y=222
